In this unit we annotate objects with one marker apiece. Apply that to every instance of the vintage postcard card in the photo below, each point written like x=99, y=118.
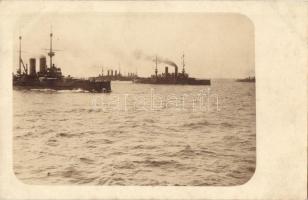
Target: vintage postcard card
x=153, y=100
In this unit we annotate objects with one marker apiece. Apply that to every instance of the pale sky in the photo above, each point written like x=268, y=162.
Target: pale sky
x=215, y=45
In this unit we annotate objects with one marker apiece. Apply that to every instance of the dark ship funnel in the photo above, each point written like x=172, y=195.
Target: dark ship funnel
x=43, y=65
x=32, y=66
x=166, y=71
x=176, y=71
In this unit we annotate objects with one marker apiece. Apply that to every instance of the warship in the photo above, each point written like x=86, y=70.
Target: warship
x=248, y=79
x=51, y=77
x=167, y=78
x=116, y=75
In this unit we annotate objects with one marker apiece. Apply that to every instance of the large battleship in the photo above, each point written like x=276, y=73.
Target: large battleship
x=181, y=78
x=51, y=77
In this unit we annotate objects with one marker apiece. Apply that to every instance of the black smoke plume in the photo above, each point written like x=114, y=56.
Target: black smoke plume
x=138, y=54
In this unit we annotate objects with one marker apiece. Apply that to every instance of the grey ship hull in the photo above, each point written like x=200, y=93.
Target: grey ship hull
x=247, y=80
x=28, y=82
x=188, y=81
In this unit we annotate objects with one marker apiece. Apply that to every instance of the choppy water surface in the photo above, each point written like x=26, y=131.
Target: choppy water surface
x=60, y=137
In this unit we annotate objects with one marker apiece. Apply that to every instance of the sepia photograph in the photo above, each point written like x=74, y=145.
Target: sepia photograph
x=134, y=99
x=153, y=100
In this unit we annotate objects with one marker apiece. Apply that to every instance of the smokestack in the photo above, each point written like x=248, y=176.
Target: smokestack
x=43, y=66
x=32, y=66
x=115, y=72
x=111, y=72
x=166, y=71
x=176, y=71
x=108, y=73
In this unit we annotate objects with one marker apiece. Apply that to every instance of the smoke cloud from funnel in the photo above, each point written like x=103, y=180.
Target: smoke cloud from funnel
x=138, y=54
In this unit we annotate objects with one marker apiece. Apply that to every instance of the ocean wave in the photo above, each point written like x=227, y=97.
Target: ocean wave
x=99, y=141
x=157, y=163
x=226, y=124
x=149, y=121
x=43, y=90
x=52, y=142
x=73, y=91
x=82, y=110
x=70, y=172
x=46, y=131
x=208, y=152
x=125, y=165
x=26, y=135
x=199, y=124
x=251, y=169
x=68, y=135
x=230, y=137
x=145, y=147
x=189, y=152
x=86, y=160
x=202, y=124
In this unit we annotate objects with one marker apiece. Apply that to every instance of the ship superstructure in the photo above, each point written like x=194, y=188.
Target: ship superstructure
x=51, y=77
x=116, y=75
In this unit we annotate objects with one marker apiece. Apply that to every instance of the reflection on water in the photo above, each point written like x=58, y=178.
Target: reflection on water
x=61, y=138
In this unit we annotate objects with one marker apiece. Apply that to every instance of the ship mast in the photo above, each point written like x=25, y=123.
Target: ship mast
x=183, y=62
x=20, y=60
x=51, y=53
x=156, y=66
x=19, y=67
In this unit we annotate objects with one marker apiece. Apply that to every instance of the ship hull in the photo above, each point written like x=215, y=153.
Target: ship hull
x=189, y=81
x=247, y=80
x=62, y=84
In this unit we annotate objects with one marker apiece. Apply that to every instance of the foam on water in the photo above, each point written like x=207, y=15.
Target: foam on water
x=46, y=90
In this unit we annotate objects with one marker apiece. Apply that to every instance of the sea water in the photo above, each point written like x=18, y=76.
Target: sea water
x=139, y=134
